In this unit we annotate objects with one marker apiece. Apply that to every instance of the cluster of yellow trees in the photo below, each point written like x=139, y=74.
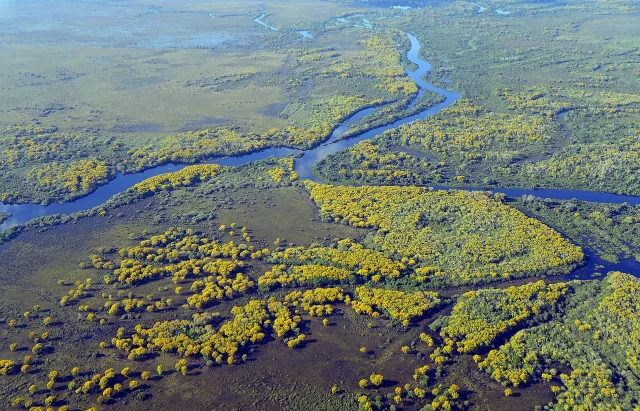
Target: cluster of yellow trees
x=35, y=143
x=497, y=362
x=176, y=336
x=615, y=319
x=218, y=288
x=592, y=386
x=55, y=165
x=479, y=317
x=368, y=161
x=593, y=335
x=178, y=253
x=594, y=163
x=380, y=61
x=183, y=178
x=398, y=305
x=468, y=131
x=593, y=157
x=307, y=274
x=348, y=254
x=302, y=275
x=249, y=324
x=590, y=382
x=538, y=99
x=106, y=385
x=463, y=237
x=78, y=176
x=284, y=170
x=315, y=119
x=441, y=397
x=195, y=146
x=315, y=301
x=135, y=272
x=7, y=367
x=464, y=133
x=78, y=293
x=134, y=304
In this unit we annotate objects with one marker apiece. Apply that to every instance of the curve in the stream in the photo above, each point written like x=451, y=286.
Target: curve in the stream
x=21, y=213
x=259, y=21
x=304, y=165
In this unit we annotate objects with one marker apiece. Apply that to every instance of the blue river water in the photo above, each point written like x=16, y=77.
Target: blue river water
x=306, y=160
x=21, y=213
x=305, y=34
x=259, y=21
x=304, y=165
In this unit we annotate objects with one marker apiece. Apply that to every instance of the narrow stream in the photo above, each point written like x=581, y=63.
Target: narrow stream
x=304, y=165
x=259, y=21
x=21, y=213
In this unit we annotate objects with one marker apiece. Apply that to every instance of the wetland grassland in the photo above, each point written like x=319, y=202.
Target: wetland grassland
x=245, y=287
x=113, y=93
x=550, y=100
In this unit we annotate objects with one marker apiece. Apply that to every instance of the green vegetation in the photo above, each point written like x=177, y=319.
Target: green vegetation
x=585, y=329
x=397, y=305
x=463, y=133
x=188, y=299
x=597, y=341
x=451, y=237
x=480, y=317
x=609, y=229
x=4, y=217
x=289, y=94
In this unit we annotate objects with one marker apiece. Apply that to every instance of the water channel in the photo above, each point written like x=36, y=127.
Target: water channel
x=306, y=160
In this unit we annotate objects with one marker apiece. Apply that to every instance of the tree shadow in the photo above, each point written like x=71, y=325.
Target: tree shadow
x=388, y=383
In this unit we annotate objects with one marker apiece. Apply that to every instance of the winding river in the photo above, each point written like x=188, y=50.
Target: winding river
x=259, y=21
x=306, y=160
x=21, y=213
